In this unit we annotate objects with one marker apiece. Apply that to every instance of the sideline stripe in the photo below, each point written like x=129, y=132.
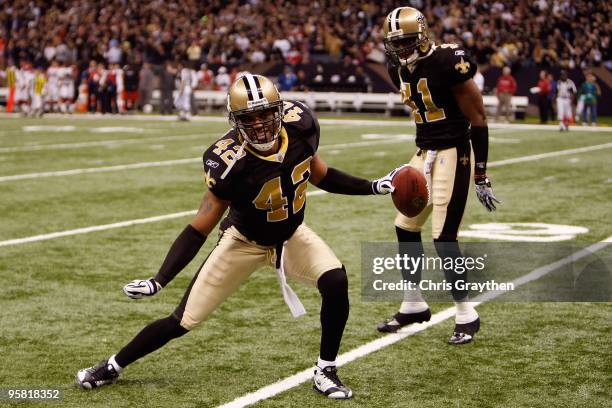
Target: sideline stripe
x=141, y=165
x=95, y=228
x=314, y=193
x=380, y=343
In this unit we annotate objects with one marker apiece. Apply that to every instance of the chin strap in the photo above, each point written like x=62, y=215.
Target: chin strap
x=235, y=159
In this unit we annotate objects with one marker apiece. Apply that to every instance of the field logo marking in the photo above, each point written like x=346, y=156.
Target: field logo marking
x=523, y=232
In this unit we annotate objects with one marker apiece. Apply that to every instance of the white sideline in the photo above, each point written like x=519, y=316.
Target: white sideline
x=380, y=343
x=72, y=172
x=314, y=193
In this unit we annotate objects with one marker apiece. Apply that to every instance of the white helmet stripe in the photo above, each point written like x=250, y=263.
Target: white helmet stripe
x=395, y=19
x=253, y=86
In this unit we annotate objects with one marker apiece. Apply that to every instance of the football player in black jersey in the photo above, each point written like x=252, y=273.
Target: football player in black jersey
x=259, y=170
x=436, y=82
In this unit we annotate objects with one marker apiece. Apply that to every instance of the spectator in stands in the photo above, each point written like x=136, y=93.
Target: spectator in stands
x=589, y=92
x=506, y=88
x=194, y=53
x=114, y=53
x=544, y=33
x=206, y=78
x=222, y=80
x=287, y=79
x=302, y=81
x=544, y=100
x=257, y=56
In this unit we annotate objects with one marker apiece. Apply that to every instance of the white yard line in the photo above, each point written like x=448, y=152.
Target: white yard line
x=550, y=154
x=93, y=143
x=382, y=342
x=104, y=227
x=317, y=192
x=72, y=172
x=94, y=228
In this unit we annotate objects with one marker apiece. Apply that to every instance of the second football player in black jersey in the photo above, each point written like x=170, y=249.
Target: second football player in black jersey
x=259, y=170
x=436, y=82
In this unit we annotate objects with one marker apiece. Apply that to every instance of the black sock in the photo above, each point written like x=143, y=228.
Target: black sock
x=152, y=337
x=333, y=286
x=450, y=249
x=413, y=247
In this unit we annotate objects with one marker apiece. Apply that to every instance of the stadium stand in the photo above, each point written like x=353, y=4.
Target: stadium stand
x=328, y=46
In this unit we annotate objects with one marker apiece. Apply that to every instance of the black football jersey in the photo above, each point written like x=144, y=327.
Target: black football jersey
x=267, y=194
x=427, y=90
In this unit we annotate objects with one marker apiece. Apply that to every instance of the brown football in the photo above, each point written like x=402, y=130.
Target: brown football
x=410, y=195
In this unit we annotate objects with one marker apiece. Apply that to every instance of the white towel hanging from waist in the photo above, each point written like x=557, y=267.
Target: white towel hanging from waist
x=291, y=298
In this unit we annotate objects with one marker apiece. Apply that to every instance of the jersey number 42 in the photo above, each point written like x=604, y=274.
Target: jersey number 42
x=272, y=200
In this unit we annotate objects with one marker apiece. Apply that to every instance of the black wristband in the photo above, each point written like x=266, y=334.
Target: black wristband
x=338, y=182
x=480, y=144
x=182, y=251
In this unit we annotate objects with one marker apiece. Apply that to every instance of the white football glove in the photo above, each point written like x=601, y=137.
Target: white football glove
x=138, y=288
x=484, y=192
x=384, y=184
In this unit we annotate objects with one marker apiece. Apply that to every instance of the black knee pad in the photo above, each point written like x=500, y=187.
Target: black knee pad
x=407, y=236
x=333, y=282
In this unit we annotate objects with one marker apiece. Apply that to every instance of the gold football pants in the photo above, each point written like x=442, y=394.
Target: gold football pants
x=451, y=174
x=306, y=257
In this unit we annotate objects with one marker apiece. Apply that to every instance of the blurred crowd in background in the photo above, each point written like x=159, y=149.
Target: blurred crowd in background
x=147, y=39
x=543, y=32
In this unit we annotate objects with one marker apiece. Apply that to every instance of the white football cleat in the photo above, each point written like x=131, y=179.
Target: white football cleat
x=326, y=382
x=101, y=374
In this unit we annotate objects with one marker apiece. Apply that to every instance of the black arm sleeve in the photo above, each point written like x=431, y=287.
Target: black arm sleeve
x=480, y=144
x=338, y=182
x=182, y=251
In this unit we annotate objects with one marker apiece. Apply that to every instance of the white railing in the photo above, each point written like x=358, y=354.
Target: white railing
x=333, y=101
x=345, y=101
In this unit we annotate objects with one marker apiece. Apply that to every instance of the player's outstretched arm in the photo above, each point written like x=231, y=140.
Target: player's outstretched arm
x=469, y=99
x=184, y=248
x=335, y=181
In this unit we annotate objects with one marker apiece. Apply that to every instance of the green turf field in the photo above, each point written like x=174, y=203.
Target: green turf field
x=62, y=307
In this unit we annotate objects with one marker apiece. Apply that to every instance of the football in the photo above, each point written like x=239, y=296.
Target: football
x=410, y=196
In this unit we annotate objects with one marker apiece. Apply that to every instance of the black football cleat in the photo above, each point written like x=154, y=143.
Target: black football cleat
x=101, y=374
x=326, y=382
x=464, y=333
x=400, y=320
